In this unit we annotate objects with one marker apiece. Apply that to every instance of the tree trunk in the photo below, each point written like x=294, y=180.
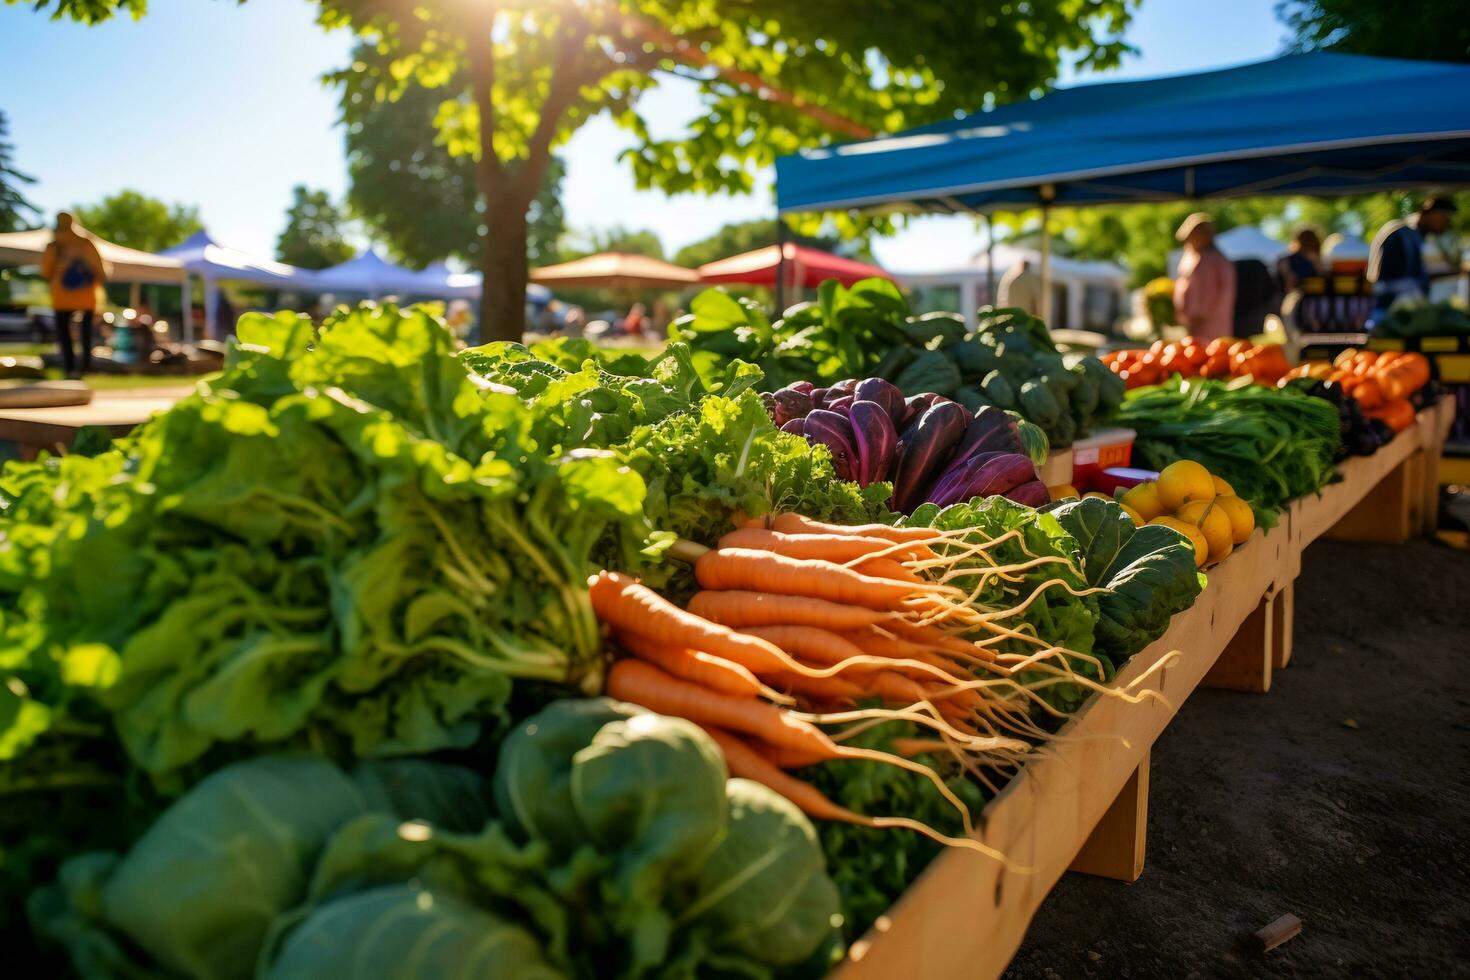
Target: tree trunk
x=504, y=266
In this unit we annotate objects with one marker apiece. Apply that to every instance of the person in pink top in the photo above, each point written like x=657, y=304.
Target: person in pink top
x=1204, y=291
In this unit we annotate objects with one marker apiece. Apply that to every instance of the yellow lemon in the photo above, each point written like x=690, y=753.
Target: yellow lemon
x=1133, y=515
x=1061, y=491
x=1220, y=555
x=1195, y=535
x=1144, y=499
x=1183, y=481
x=1222, y=489
x=1242, y=519
x=1212, y=521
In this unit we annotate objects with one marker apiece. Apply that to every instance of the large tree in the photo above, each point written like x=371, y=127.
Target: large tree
x=423, y=201
x=1437, y=30
x=520, y=76
x=517, y=78
x=13, y=206
x=138, y=221
x=315, y=233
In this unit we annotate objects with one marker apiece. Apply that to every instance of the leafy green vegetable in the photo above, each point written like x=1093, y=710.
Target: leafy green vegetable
x=705, y=468
x=1272, y=444
x=1148, y=573
x=1057, y=615
x=287, y=556
x=407, y=933
x=287, y=866
x=764, y=890
x=871, y=867
x=583, y=396
x=869, y=331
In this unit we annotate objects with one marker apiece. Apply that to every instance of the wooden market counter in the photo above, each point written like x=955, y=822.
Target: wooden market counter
x=1084, y=805
x=119, y=412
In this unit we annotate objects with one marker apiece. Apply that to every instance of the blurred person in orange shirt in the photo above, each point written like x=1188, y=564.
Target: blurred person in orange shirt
x=1204, y=291
x=76, y=273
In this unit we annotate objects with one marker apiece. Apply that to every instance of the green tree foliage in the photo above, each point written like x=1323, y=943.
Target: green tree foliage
x=13, y=205
x=616, y=239
x=138, y=221
x=423, y=201
x=314, y=237
x=1436, y=30
x=518, y=78
x=88, y=11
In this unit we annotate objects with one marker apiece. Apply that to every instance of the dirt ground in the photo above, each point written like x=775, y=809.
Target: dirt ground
x=1342, y=797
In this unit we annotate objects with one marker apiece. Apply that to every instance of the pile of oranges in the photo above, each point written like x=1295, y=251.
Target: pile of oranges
x=1199, y=505
x=1224, y=357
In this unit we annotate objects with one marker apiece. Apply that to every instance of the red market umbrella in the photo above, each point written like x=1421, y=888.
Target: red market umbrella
x=615, y=270
x=805, y=267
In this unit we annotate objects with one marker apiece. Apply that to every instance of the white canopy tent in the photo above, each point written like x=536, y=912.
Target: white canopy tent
x=212, y=262
x=1082, y=283
x=25, y=248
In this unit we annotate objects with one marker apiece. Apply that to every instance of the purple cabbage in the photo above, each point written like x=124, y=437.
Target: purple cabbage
x=885, y=394
x=875, y=440
x=835, y=432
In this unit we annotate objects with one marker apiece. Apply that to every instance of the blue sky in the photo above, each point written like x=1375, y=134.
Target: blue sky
x=222, y=106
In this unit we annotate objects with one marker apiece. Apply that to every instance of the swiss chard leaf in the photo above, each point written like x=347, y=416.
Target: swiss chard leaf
x=1148, y=573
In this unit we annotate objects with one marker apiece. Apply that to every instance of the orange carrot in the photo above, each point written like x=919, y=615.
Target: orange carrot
x=791, y=523
x=887, y=568
x=738, y=608
x=841, y=548
x=830, y=691
x=876, y=644
x=936, y=638
x=745, y=762
x=814, y=645
x=630, y=607
x=644, y=684
x=741, y=568
x=691, y=665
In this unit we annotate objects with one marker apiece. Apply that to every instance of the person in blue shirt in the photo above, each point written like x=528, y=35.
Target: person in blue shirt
x=1396, y=259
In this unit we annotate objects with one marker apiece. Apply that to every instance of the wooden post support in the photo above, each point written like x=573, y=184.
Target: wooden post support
x=1429, y=458
x=1116, y=845
x=1387, y=514
x=1283, y=621
x=1245, y=663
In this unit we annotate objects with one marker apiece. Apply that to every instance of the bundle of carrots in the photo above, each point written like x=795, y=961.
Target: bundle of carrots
x=1381, y=383
x=1223, y=357
x=801, y=625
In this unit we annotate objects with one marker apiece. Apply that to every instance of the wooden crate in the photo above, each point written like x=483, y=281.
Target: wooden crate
x=966, y=914
x=1084, y=806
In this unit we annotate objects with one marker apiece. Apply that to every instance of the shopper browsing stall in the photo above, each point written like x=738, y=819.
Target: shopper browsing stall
x=1396, y=261
x=1204, y=292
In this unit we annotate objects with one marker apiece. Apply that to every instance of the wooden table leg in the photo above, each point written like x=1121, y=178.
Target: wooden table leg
x=1387, y=514
x=1429, y=489
x=1116, y=847
x=1245, y=663
x=1282, y=623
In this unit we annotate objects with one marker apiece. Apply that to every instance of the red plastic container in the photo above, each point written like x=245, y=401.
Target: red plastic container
x=1110, y=480
x=1103, y=450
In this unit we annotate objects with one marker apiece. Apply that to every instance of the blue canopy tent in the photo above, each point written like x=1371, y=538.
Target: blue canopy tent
x=1319, y=124
x=206, y=258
